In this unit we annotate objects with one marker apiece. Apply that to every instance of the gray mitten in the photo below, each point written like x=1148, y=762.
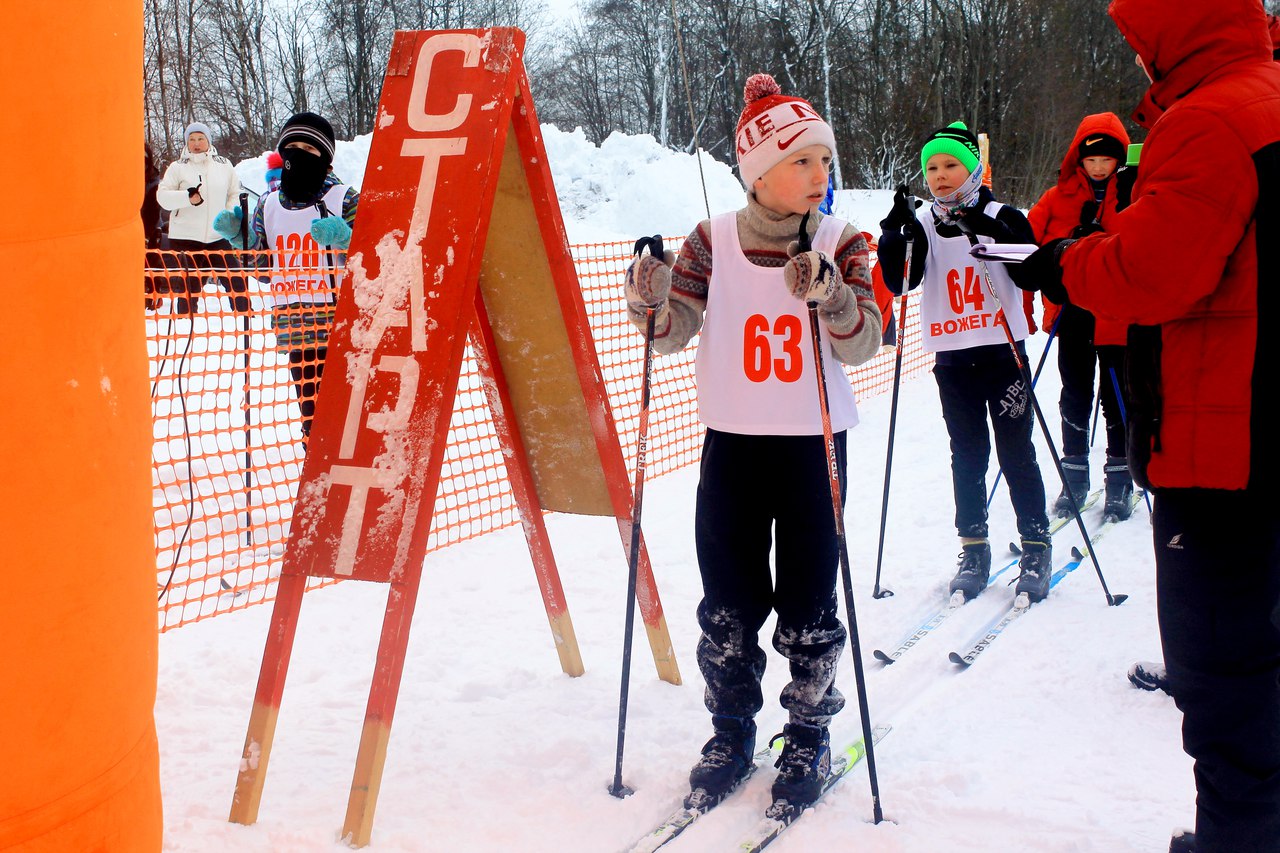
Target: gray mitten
x=649, y=281
x=811, y=276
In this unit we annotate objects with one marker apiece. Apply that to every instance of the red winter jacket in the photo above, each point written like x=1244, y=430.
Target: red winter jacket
x=1189, y=253
x=1057, y=212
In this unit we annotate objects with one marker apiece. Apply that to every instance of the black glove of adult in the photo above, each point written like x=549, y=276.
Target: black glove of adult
x=1125, y=179
x=903, y=213
x=974, y=221
x=1042, y=271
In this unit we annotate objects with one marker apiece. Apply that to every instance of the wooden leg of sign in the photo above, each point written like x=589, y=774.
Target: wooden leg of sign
x=655, y=623
x=266, y=701
x=525, y=492
x=365, y=784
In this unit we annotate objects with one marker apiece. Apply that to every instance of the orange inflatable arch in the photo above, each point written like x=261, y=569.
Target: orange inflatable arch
x=79, y=768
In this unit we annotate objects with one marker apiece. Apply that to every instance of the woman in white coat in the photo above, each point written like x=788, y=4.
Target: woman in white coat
x=196, y=187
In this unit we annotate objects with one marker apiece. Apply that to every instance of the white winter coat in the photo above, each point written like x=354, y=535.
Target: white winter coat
x=219, y=187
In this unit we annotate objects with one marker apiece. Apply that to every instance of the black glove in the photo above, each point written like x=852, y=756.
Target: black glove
x=903, y=213
x=1041, y=271
x=192, y=192
x=1125, y=179
x=974, y=221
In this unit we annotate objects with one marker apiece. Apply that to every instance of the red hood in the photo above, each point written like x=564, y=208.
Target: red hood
x=1186, y=42
x=1108, y=123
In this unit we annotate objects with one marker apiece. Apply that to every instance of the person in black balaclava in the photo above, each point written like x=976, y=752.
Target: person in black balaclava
x=305, y=226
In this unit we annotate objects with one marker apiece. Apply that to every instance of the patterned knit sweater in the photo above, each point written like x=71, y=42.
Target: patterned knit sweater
x=853, y=319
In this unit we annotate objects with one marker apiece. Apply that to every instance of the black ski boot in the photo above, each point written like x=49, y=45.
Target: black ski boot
x=1036, y=568
x=726, y=760
x=1119, y=489
x=1076, y=469
x=1183, y=842
x=973, y=571
x=804, y=765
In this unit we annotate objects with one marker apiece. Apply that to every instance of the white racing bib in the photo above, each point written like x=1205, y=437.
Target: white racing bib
x=300, y=267
x=755, y=365
x=957, y=310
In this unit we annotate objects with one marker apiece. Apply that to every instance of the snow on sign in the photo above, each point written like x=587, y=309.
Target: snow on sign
x=459, y=235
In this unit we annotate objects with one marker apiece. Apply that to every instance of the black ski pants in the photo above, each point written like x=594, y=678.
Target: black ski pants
x=968, y=393
x=753, y=489
x=1077, y=355
x=306, y=366
x=196, y=257
x=1218, y=598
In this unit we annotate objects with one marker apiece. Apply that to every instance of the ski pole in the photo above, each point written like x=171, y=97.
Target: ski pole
x=617, y=789
x=877, y=591
x=1124, y=419
x=248, y=411
x=833, y=477
x=1053, y=331
x=1003, y=322
x=1097, y=407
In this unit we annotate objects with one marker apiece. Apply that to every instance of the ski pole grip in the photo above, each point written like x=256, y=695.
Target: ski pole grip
x=654, y=244
x=805, y=244
x=244, y=220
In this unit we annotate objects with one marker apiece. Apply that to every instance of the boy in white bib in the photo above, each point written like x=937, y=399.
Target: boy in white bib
x=763, y=472
x=974, y=367
x=305, y=225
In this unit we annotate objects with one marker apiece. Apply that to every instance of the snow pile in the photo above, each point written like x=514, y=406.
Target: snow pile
x=626, y=187
x=631, y=186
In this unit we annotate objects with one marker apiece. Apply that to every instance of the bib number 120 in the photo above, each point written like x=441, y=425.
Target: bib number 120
x=758, y=345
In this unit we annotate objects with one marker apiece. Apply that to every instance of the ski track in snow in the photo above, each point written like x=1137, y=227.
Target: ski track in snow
x=1041, y=746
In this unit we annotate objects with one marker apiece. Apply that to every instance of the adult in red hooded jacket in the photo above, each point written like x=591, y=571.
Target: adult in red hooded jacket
x=1074, y=206
x=1196, y=257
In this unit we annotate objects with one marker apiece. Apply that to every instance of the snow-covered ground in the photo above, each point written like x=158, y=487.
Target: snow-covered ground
x=1041, y=746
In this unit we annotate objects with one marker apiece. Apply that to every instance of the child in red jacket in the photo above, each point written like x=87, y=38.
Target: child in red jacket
x=1083, y=201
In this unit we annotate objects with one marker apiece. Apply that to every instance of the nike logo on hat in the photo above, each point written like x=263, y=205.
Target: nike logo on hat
x=1094, y=141
x=783, y=146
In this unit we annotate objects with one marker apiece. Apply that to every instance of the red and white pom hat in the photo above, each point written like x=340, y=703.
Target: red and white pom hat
x=772, y=126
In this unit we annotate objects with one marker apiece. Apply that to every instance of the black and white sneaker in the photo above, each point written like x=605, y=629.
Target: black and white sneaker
x=1149, y=675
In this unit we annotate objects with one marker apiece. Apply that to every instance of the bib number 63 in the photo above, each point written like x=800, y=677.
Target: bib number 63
x=760, y=341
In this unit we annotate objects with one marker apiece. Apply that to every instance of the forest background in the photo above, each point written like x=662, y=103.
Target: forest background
x=883, y=72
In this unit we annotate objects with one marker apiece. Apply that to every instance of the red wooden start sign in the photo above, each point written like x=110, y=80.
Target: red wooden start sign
x=459, y=236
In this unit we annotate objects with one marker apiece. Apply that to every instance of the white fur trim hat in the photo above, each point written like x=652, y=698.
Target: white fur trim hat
x=772, y=126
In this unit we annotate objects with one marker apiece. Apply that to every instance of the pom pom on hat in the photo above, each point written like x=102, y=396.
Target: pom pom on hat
x=760, y=86
x=955, y=139
x=773, y=126
x=274, y=160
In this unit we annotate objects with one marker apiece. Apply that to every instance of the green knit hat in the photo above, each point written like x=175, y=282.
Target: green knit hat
x=955, y=139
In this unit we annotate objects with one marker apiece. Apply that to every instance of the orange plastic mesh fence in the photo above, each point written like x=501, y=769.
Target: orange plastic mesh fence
x=232, y=383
